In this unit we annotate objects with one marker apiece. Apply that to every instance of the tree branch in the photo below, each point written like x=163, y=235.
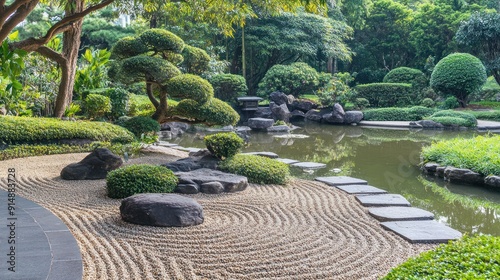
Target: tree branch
x=14, y=6
x=51, y=54
x=9, y=21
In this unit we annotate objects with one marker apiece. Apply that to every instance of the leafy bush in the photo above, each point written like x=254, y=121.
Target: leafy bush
x=190, y=86
x=215, y=111
x=369, y=76
x=362, y=103
x=449, y=117
x=427, y=102
x=486, y=115
x=97, y=105
x=119, y=100
x=140, y=104
x=223, y=145
x=228, y=87
x=296, y=79
x=19, y=130
x=140, y=178
x=258, y=169
x=408, y=76
x=387, y=94
x=141, y=125
x=195, y=60
x=335, y=88
x=450, y=103
x=480, y=154
x=398, y=114
x=469, y=258
x=459, y=75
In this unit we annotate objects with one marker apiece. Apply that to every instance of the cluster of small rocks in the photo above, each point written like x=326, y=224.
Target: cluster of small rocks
x=453, y=174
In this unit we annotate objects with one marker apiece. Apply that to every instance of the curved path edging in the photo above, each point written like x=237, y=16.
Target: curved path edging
x=44, y=248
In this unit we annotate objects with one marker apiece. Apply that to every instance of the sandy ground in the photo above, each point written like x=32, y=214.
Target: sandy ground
x=305, y=230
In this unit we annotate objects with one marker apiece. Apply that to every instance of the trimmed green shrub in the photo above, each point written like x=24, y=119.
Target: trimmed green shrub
x=20, y=130
x=450, y=103
x=223, y=145
x=408, y=76
x=228, y=87
x=369, y=76
x=119, y=100
x=398, y=114
x=450, y=117
x=387, y=94
x=459, y=75
x=258, y=169
x=362, y=103
x=427, y=102
x=213, y=112
x=97, y=105
x=475, y=257
x=141, y=125
x=190, y=86
x=195, y=60
x=486, y=115
x=296, y=79
x=140, y=178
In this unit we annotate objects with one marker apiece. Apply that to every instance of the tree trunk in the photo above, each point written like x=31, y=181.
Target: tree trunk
x=71, y=45
x=243, y=60
x=496, y=75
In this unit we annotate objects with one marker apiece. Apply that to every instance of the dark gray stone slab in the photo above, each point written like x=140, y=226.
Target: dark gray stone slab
x=341, y=180
x=287, y=160
x=382, y=200
x=231, y=182
x=263, y=154
x=385, y=214
x=422, y=231
x=166, y=144
x=309, y=165
x=361, y=189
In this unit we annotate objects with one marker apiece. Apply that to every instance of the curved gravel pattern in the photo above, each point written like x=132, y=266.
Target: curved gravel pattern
x=305, y=230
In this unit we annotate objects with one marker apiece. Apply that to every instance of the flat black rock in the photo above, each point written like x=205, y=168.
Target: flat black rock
x=230, y=182
x=162, y=210
x=94, y=166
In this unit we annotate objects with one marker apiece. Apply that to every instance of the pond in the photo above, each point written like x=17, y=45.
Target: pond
x=387, y=159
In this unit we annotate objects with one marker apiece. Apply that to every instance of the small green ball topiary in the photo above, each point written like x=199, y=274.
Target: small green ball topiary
x=223, y=145
x=141, y=125
x=258, y=169
x=140, y=178
x=406, y=75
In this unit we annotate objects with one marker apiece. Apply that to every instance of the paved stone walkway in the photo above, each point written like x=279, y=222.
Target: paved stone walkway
x=481, y=125
x=35, y=244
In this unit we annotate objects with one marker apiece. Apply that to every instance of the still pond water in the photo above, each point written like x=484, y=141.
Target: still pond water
x=387, y=159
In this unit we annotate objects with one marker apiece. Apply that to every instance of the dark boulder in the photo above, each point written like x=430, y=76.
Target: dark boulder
x=196, y=160
x=94, y=166
x=278, y=128
x=280, y=113
x=212, y=187
x=263, y=112
x=452, y=174
x=278, y=98
x=430, y=124
x=314, y=115
x=297, y=115
x=260, y=123
x=303, y=105
x=353, y=117
x=493, y=181
x=162, y=210
x=430, y=167
x=230, y=182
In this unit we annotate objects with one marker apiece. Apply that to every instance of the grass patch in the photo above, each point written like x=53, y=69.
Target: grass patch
x=468, y=258
x=480, y=154
x=24, y=130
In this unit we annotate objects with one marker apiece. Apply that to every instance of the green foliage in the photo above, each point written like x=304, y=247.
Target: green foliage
x=398, y=114
x=258, y=169
x=128, y=47
x=296, y=79
x=72, y=110
x=334, y=88
x=195, y=60
x=119, y=99
x=140, y=178
x=486, y=115
x=428, y=102
x=361, y=103
x=459, y=75
x=141, y=125
x=369, y=76
x=407, y=75
x=475, y=257
x=213, y=112
x=93, y=73
x=11, y=66
x=140, y=104
x=190, y=86
x=100, y=31
x=387, y=94
x=161, y=40
x=223, y=145
x=450, y=117
x=19, y=130
x=228, y=87
x=480, y=154
x=450, y=102
x=96, y=105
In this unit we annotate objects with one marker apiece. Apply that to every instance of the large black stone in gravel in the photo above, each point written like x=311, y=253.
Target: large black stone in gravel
x=94, y=166
x=162, y=210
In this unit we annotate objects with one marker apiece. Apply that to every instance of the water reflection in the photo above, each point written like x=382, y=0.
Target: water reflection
x=387, y=159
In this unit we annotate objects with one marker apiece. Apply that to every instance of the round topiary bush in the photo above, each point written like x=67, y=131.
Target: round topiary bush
x=427, y=102
x=141, y=125
x=140, y=178
x=228, y=87
x=258, y=169
x=296, y=79
x=223, y=145
x=459, y=75
x=195, y=60
x=97, y=105
x=406, y=75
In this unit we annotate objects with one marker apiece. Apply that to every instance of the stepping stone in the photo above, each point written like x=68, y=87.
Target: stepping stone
x=309, y=165
x=262, y=154
x=166, y=144
x=382, y=200
x=361, y=189
x=190, y=149
x=422, y=231
x=287, y=160
x=385, y=214
x=341, y=180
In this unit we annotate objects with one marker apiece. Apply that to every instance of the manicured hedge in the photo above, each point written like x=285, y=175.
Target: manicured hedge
x=258, y=169
x=213, y=112
x=223, y=145
x=480, y=154
x=119, y=100
x=387, y=94
x=450, y=117
x=469, y=258
x=140, y=178
x=21, y=130
x=398, y=114
x=141, y=125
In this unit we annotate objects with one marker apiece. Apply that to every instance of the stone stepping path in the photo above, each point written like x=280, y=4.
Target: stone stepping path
x=287, y=160
x=341, y=181
x=361, y=189
x=387, y=214
x=262, y=154
x=422, y=231
x=166, y=144
x=309, y=165
x=381, y=200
